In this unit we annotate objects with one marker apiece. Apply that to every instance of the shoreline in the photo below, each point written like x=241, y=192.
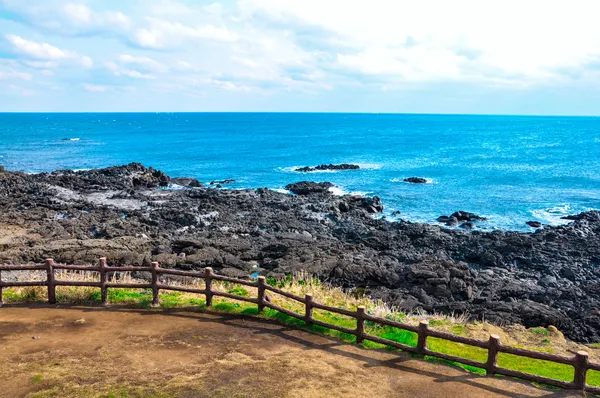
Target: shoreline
x=553, y=216
x=542, y=278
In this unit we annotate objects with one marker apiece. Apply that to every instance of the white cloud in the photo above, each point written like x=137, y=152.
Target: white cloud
x=78, y=13
x=69, y=19
x=145, y=63
x=95, y=88
x=275, y=46
x=12, y=75
x=45, y=51
x=160, y=34
x=440, y=40
x=120, y=70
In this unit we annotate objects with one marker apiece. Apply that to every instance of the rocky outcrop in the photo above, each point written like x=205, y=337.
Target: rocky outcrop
x=222, y=182
x=547, y=277
x=534, y=224
x=323, y=167
x=416, y=180
x=186, y=182
x=308, y=187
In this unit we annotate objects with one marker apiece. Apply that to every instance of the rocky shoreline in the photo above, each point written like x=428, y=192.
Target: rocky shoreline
x=129, y=214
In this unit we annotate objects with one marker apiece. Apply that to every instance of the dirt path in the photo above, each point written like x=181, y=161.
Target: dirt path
x=123, y=352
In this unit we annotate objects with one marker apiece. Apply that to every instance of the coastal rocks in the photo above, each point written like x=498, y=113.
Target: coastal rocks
x=416, y=180
x=449, y=221
x=462, y=219
x=309, y=188
x=550, y=277
x=467, y=216
x=222, y=182
x=534, y=224
x=186, y=182
x=324, y=167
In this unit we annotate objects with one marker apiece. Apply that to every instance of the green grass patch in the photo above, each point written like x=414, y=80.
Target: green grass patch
x=593, y=378
x=392, y=333
x=539, y=367
x=37, y=379
x=468, y=368
x=541, y=331
x=239, y=291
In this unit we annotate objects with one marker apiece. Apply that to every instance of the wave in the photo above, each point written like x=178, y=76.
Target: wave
x=281, y=190
x=553, y=215
x=337, y=191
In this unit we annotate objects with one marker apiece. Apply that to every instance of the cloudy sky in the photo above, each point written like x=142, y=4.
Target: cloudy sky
x=511, y=57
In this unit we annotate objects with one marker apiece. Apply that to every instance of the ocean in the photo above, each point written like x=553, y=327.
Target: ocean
x=511, y=169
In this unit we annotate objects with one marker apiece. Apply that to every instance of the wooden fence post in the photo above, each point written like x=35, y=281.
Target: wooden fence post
x=422, y=342
x=308, y=309
x=581, y=367
x=208, y=283
x=50, y=281
x=492, y=360
x=261, y=293
x=102, y=269
x=155, y=301
x=360, y=324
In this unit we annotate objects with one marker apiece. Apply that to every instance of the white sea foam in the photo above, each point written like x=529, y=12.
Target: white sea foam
x=553, y=215
x=337, y=191
x=281, y=190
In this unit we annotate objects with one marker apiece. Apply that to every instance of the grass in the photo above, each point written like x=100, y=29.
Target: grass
x=327, y=295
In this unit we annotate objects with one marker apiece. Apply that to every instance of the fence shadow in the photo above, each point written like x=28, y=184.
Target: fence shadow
x=314, y=341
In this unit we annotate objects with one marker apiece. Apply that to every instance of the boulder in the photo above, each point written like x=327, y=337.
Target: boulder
x=534, y=224
x=467, y=216
x=416, y=180
x=309, y=188
x=186, y=182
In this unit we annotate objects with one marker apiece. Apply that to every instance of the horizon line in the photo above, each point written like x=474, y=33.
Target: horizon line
x=301, y=112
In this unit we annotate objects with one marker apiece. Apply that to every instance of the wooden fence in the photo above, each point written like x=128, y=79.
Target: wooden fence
x=493, y=346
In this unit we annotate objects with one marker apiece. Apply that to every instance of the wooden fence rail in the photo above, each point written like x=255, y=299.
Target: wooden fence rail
x=579, y=362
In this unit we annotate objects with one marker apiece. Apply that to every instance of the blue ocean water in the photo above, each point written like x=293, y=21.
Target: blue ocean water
x=508, y=168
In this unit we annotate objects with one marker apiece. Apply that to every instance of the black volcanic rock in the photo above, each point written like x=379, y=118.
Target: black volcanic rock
x=222, y=182
x=308, y=187
x=186, y=182
x=534, y=224
x=416, y=180
x=549, y=277
x=466, y=216
x=322, y=167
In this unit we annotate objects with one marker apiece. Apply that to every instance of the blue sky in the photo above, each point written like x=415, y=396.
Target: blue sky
x=507, y=57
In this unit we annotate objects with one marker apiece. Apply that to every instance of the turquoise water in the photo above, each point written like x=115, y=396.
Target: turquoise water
x=509, y=168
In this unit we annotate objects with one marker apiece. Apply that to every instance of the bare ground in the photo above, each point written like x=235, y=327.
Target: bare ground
x=70, y=351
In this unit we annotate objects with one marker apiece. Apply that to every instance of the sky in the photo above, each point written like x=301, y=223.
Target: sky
x=461, y=56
